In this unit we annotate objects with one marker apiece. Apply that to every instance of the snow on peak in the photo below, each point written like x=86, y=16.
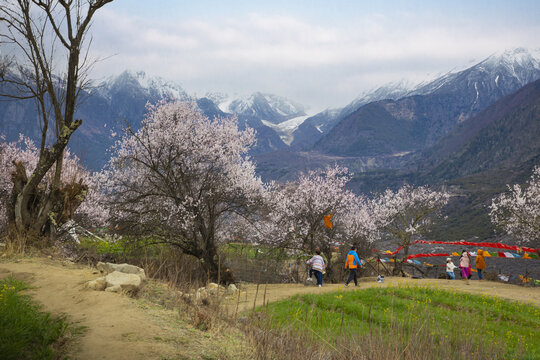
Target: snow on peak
x=269, y=104
x=154, y=85
x=521, y=57
x=285, y=129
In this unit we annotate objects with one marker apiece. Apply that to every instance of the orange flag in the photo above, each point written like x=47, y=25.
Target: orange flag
x=327, y=221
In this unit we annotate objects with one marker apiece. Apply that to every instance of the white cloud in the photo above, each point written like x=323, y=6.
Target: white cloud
x=319, y=65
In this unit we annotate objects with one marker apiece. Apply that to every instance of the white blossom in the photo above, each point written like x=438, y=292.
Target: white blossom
x=517, y=211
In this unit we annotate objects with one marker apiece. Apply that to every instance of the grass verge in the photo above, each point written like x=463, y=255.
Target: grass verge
x=405, y=322
x=25, y=331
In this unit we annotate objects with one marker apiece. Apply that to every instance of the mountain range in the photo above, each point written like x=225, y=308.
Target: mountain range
x=472, y=130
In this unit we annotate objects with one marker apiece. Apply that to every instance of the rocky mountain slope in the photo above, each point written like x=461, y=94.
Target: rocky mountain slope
x=418, y=120
x=106, y=108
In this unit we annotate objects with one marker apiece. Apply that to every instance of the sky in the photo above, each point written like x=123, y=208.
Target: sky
x=320, y=53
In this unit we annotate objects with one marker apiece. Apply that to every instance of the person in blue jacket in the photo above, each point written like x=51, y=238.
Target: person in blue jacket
x=352, y=263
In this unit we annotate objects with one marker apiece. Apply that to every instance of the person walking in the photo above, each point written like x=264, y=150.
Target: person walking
x=480, y=263
x=352, y=262
x=450, y=269
x=465, y=265
x=317, y=266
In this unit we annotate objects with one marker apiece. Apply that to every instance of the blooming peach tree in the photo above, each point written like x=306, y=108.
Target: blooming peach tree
x=408, y=211
x=179, y=178
x=517, y=211
x=23, y=153
x=300, y=208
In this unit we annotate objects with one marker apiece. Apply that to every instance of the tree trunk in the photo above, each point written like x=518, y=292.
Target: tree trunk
x=36, y=210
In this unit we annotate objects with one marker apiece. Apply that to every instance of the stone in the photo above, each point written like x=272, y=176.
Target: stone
x=127, y=282
x=212, y=286
x=115, y=288
x=99, y=284
x=232, y=289
x=108, y=268
x=212, y=289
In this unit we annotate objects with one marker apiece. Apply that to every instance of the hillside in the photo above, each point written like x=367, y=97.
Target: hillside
x=505, y=134
x=419, y=120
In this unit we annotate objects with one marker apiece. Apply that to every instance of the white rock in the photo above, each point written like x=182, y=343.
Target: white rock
x=108, y=268
x=232, y=289
x=99, y=284
x=115, y=288
x=128, y=282
x=212, y=286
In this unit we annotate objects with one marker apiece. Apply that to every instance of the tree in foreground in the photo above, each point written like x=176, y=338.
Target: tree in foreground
x=46, y=35
x=26, y=154
x=517, y=211
x=407, y=211
x=180, y=177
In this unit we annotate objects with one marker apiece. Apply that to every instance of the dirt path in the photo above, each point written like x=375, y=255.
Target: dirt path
x=120, y=327
x=117, y=327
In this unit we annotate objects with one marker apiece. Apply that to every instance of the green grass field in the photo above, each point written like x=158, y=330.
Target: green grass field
x=445, y=323
x=25, y=331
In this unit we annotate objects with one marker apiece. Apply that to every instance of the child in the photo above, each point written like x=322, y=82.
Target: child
x=450, y=268
x=480, y=263
x=317, y=266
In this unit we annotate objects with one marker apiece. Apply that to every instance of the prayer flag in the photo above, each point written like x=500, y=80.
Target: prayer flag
x=526, y=256
x=327, y=221
x=508, y=255
x=455, y=254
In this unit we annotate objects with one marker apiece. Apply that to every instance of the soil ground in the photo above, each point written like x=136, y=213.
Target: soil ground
x=120, y=327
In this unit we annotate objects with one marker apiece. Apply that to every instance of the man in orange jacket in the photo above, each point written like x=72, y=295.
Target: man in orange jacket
x=352, y=264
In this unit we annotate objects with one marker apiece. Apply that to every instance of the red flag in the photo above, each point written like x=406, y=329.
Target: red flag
x=327, y=221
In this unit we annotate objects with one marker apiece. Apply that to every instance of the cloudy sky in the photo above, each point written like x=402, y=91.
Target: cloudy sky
x=320, y=53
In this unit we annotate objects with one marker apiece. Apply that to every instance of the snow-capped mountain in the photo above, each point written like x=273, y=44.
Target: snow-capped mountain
x=498, y=75
x=271, y=108
x=392, y=90
x=150, y=86
x=286, y=128
x=313, y=129
x=421, y=118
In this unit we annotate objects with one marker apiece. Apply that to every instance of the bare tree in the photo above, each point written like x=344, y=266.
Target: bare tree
x=39, y=35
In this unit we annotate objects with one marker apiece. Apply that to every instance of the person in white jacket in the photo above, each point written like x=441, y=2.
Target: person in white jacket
x=450, y=268
x=317, y=265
